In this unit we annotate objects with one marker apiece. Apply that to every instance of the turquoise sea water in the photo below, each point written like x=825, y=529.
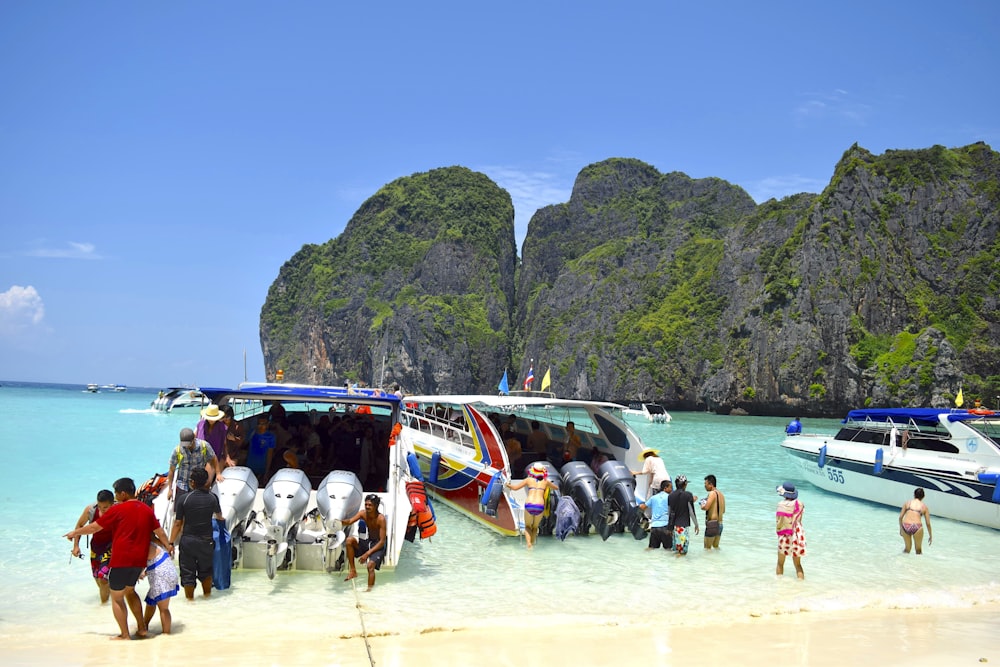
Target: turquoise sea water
x=62, y=445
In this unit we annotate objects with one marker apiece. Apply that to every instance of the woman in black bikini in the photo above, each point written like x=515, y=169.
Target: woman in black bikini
x=910, y=524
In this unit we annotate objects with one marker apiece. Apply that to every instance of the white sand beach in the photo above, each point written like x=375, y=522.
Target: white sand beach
x=953, y=637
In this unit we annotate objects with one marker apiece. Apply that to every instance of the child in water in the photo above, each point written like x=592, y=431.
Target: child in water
x=162, y=576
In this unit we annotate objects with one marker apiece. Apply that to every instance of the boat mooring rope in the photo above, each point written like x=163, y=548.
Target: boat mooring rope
x=361, y=617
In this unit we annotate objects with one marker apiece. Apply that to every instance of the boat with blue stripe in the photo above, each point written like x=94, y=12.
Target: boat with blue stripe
x=882, y=454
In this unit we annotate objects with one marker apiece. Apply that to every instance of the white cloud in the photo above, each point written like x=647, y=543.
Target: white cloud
x=835, y=105
x=777, y=187
x=72, y=250
x=530, y=191
x=20, y=308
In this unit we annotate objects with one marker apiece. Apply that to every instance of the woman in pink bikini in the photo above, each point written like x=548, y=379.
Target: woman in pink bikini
x=911, y=519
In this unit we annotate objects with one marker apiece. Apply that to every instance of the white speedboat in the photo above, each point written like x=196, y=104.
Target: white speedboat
x=296, y=520
x=93, y=388
x=461, y=457
x=649, y=412
x=882, y=455
x=180, y=399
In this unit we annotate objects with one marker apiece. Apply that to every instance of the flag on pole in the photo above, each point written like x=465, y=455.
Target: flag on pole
x=959, y=399
x=547, y=379
x=503, y=386
x=530, y=379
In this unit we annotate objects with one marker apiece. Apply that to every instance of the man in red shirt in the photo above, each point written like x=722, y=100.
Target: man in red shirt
x=132, y=525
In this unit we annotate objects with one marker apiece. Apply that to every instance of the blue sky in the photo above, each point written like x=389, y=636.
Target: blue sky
x=159, y=162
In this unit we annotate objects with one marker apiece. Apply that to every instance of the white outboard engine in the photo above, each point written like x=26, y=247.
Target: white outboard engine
x=580, y=483
x=285, y=501
x=338, y=498
x=236, y=491
x=618, y=492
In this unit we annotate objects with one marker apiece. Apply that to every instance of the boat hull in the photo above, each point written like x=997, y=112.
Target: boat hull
x=947, y=494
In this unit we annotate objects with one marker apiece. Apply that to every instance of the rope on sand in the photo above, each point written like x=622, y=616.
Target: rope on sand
x=361, y=617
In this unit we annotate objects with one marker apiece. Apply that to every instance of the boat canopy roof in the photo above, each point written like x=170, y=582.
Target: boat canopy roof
x=302, y=393
x=923, y=416
x=503, y=402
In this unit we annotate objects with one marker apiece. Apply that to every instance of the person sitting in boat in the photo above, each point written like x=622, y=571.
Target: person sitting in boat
x=236, y=453
x=371, y=549
x=262, y=444
x=794, y=427
x=534, y=504
x=537, y=440
x=573, y=444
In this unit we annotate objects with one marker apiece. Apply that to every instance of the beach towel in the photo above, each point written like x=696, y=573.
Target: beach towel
x=567, y=517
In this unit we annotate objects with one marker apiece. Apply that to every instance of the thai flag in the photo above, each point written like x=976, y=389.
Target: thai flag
x=531, y=378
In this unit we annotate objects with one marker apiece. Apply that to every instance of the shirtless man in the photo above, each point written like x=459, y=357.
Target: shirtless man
x=910, y=524
x=714, y=505
x=372, y=550
x=534, y=504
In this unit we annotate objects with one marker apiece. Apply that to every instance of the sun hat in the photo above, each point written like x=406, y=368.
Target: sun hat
x=187, y=435
x=538, y=471
x=212, y=413
x=787, y=489
x=647, y=452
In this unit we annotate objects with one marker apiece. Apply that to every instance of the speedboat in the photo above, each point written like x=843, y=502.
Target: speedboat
x=882, y=455
x=180, y=399
x=462, y=458
x=295, y=520
x=93, y=388
x=650, y=412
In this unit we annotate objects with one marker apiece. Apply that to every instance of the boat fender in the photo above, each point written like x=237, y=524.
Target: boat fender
x=491, y=496
x=879, y=455
x=432, y=474
x=980, y=411
x=989, y=477
x=822, y=456
x=418, y=496
x=414, y=465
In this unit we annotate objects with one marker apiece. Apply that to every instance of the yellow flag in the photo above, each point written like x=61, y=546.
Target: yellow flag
x=959, y=399
x=547, y=380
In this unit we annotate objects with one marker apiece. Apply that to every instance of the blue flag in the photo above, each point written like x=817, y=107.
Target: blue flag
x=504, y=387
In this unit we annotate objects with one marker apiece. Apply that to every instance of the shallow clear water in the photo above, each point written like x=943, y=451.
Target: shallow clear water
x=63, y=445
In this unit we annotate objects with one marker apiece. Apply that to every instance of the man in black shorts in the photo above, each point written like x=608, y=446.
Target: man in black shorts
x=132, y=525
x=369, y=545
x=194, y=525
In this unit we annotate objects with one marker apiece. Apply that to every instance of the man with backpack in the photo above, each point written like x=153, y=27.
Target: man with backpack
x=189, y=455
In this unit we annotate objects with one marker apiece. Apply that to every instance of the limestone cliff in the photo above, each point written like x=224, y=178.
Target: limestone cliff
x=882, y=289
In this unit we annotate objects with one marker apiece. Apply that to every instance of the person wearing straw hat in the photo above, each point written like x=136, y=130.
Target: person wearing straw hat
x=791, y=534
x=653, y=466
x=536, y=482
x=212, y=430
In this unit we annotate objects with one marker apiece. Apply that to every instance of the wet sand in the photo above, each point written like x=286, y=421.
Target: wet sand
x=953, y=637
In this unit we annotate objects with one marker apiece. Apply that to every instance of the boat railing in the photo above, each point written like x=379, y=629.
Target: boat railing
x=440, y=427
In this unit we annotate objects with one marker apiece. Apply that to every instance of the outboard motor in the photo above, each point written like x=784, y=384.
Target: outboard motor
x=236, y=491
x=285, y=501
x=547, y=526
x=618, y=491
x=580, y=483
x=338, y=498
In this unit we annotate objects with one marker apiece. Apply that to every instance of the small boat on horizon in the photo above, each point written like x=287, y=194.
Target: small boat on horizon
x=649, y=412
x=93, y=388
x=883, y=454
x=180, y=399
